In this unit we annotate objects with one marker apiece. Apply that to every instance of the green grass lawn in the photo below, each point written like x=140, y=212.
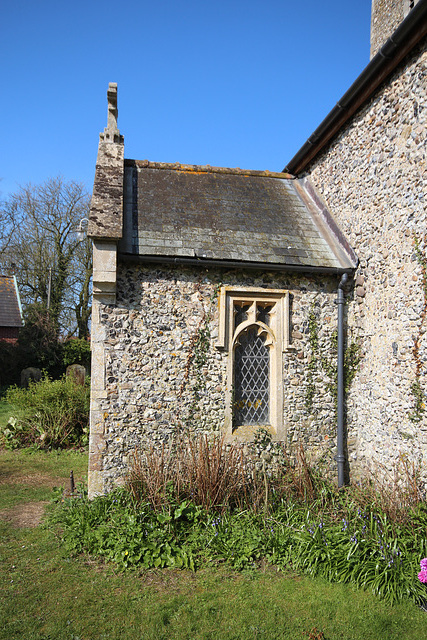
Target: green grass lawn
x=29, y=475
x=45, y=594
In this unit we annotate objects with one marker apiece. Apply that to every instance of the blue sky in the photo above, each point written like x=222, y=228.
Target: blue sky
x=237, y=83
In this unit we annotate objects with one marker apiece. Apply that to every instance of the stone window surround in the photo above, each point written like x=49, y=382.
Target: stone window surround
x=277, y=340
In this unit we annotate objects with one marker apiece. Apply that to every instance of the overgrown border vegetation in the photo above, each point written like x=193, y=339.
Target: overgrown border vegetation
x=50, y=414
x=204, y=502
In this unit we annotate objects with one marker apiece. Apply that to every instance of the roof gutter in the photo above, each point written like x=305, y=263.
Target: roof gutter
x=410, y=32
x=232, y=264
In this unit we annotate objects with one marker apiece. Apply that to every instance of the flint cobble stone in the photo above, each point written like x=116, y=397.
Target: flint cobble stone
x=154, y=392
x=373, y=178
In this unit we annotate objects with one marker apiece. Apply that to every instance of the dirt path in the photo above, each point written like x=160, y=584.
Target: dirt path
x=32, y=480
x=27, y=514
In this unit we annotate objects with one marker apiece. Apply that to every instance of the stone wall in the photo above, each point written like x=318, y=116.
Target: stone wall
x=386, y=15
x=106, y=208
x=373, y=179
x=156, y=387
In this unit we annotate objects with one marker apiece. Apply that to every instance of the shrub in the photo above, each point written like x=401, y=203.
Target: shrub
x=76, y=351
x=49, y=414
x=11, y=364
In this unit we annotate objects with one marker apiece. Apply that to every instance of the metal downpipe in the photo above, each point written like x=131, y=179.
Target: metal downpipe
x=340, y=458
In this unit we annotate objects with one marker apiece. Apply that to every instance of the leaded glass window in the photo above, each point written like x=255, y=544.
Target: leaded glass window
x=254, y=332
x=251, y=379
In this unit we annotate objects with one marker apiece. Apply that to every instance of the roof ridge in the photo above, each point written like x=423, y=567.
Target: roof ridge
x=207, y=168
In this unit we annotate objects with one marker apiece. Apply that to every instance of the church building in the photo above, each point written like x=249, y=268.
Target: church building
x=215, y=289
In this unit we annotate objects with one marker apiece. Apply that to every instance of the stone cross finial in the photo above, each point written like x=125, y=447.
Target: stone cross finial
x=111, y=132
x=112, y=106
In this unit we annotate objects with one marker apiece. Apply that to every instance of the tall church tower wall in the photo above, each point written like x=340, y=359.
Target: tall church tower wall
x=386, y=15
x=373, y=178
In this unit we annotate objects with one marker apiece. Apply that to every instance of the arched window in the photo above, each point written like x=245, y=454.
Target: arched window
x=251, y=403
x=254, y=331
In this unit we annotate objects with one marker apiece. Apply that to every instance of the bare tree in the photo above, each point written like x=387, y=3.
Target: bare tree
x=52, y=268
x=7, y=225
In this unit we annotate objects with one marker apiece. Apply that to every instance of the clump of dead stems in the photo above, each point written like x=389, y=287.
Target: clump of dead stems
x=209, y=472
x=392, y=493
x=218, y=475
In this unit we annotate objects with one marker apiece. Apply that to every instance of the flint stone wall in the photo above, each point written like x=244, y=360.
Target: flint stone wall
x=386, y=15
x=154, y=388
x=373, y=178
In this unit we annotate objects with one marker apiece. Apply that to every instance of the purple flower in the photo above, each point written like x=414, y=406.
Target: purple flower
x=422, y=576
x=423, y=564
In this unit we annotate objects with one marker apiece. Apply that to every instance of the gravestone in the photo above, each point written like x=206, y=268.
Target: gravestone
x=78, y=372
x=30, y=374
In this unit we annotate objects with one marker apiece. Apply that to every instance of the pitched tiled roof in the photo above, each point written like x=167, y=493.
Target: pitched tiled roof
x=10, y=307
x=227, y=214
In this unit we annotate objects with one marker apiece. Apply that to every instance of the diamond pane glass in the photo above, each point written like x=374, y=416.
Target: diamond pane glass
x=251, y=380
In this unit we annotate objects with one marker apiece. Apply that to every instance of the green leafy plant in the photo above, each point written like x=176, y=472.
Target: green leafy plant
x=12, y=434
x=76, y=351
x=352, y=358
x=373, y=539
x=312, y=365
x=49, y=414
x=197, y=357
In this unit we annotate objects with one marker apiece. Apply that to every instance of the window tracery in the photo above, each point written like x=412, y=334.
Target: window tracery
x=254, y=331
